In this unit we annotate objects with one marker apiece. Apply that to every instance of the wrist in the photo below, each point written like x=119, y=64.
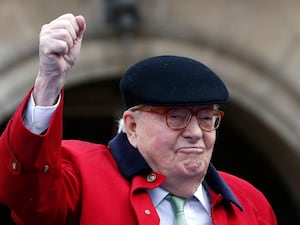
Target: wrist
x=46, y=91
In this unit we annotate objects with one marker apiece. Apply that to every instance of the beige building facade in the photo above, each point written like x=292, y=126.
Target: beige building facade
x=253, y=45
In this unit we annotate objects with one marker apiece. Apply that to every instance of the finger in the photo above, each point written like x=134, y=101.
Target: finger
x=57, y=47
x=64, y=28
x=75, y=25
x=69, y=25
x=50, y=36
x=77, y=21
x=81, y=24
x=65, y=16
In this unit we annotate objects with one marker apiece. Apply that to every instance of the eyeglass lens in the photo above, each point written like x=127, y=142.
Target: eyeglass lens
x=208, y=119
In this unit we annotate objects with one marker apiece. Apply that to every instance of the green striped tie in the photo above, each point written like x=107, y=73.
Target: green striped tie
x=177, y=206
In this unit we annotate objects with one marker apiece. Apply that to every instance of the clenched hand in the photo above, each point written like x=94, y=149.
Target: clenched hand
x=59, y=47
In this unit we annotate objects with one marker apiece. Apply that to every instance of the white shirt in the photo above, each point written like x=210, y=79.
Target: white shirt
x=196, y=209
x=36, y=118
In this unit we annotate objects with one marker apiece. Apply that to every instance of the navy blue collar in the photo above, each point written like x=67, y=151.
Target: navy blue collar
x=128, y=158
x=131, y=163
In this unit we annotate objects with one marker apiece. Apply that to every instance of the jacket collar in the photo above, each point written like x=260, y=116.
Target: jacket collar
x=128, y=158
x=131, y=163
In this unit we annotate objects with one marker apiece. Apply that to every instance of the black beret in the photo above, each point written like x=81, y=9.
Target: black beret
x=171, y=80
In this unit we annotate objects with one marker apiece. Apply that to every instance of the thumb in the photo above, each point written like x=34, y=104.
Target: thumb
x=82, y=26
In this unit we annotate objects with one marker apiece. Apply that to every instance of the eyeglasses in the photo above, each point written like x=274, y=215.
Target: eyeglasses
x=179, y=118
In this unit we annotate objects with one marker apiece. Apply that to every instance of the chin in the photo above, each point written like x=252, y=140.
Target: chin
x=195, y=167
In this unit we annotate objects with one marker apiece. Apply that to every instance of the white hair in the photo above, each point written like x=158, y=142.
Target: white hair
x=121, y=128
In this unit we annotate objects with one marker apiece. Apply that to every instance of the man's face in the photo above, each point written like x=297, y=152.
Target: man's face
x=182, y=153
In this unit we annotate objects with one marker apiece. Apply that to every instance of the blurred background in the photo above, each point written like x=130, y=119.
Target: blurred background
x=252, y=45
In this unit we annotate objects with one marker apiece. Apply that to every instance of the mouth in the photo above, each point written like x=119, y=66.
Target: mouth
x=191, y=150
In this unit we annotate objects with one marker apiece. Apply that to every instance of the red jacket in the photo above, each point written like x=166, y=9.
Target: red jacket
x=47, y=181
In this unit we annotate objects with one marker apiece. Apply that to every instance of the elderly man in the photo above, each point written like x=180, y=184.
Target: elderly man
x=157, y=165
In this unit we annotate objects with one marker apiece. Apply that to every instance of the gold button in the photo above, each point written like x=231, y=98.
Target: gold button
x=151, y=177
x=14, y=165
x=46, y=168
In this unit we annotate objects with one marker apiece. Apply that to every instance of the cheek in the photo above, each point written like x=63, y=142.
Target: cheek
x=209, y=140
x=153, y=133
x=158, y=143
x=156, y=146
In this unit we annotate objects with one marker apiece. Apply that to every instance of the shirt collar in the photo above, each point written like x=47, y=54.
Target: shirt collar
x=158, y=194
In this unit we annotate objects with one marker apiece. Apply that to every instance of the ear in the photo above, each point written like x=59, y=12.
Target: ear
x=129, y=119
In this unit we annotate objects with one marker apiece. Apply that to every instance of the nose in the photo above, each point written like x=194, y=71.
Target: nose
x=193, y=130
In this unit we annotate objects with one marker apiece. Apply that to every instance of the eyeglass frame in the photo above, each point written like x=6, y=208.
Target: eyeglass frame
x=166, y=110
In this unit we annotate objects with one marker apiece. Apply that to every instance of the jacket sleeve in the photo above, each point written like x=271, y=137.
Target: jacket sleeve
x=36, y=181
